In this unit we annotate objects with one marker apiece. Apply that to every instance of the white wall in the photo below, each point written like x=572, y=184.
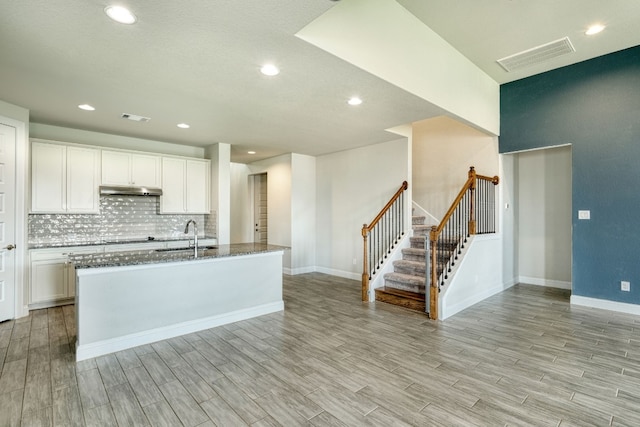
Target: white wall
x=220, y=155
x=409, y=55
x=57, y=133
x=544, y=217
x=508, y=219
x=478, y=277
x=443, y=151
x=352, y=187
x=241, y=229
x=278, y=171
x=303, y=213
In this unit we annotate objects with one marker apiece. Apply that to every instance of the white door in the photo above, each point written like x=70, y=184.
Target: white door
x=7, y=218
x=260, y=208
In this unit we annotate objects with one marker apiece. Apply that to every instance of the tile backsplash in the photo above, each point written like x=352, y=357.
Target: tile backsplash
x=120, y=217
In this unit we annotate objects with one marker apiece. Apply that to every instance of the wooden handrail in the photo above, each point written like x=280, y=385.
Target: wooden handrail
x=470, y=183
x=366, y=229
x=452, y=208
x=434, y=235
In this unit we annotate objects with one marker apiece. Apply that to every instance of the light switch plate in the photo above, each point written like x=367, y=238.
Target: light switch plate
x=584, y=214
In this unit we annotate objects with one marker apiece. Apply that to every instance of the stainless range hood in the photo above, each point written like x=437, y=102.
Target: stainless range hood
x=112, y=190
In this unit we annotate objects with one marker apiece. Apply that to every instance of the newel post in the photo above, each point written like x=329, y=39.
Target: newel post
x=433, y=286
x=472, y=213
x=365, y=266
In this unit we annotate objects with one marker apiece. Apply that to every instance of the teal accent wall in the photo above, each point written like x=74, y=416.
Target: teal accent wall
x=594, y=106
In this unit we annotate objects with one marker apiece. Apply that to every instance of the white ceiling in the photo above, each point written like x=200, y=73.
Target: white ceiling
x=197, y=62
x=487, y=30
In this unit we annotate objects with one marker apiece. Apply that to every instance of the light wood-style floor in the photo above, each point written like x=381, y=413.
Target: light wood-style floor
x=524, y=357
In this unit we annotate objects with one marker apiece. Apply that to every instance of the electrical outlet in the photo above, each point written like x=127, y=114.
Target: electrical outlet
x=584, y=214
x=355, y=261
x=625, y=286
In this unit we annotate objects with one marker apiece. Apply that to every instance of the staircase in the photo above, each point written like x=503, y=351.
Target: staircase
x=406, y=285
x=472, y=212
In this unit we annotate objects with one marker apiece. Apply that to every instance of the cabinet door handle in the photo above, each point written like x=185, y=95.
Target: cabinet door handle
x=10, y=247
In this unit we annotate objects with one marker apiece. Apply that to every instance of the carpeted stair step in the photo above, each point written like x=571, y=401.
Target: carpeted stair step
x=421, y=230
x=411, y=300
x=413, y=268
x=418, y=220
x=418, y=255
x=414, y=254
x=417, y=242
x=405, y=282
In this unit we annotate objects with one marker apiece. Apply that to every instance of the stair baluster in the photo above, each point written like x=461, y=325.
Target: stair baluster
x=384, y=237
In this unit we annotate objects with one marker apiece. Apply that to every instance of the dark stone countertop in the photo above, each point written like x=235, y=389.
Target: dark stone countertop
x=111, y=241
x=140, y=257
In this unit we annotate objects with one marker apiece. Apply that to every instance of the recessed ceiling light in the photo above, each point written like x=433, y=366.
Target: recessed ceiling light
x=86, y=107
x=251, y=152
x=269, y=70
x=354, y=101
x=120, y=14
x=594, y=29
x=183, y=126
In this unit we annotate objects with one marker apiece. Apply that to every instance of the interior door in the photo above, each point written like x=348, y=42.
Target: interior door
x=260, y=208
x=7, y=218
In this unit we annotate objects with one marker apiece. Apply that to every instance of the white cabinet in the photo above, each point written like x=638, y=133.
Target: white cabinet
x=64, y=178
x=48, y=177
x=125, y=168
x=185, y=186
x=52, y=278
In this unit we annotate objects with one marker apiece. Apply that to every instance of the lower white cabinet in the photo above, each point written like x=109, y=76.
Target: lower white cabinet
x=52, y=280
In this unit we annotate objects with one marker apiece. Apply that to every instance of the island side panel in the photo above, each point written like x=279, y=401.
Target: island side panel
x=122, y=307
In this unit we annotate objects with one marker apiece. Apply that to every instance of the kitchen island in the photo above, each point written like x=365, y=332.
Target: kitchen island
x=127, y=299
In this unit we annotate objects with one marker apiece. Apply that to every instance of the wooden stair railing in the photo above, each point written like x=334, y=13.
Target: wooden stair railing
x=472, y=212
x=381, y=236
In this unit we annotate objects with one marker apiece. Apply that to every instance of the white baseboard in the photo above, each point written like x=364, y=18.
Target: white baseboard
x=299, y=270
x=339, y=273
x=604, y=304
x=449, y=311
x=100, y=348
x=544, y=282
x=315, y=269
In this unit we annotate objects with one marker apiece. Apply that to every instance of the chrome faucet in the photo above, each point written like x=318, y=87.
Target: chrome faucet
x=195, y=236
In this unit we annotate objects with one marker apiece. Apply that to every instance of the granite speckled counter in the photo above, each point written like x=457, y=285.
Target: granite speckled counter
x=139, y=257
x=127, y=299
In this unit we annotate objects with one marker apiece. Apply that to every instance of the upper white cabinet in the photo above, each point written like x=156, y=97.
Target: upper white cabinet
x=125, y=168
x=64, y=178
x=185, y=186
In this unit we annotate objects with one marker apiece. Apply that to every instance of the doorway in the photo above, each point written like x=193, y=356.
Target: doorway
x=8, y=139
x=544, y=217
x=259, y=202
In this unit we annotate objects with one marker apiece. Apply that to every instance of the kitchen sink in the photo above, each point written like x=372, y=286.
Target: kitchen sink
x=185, y=249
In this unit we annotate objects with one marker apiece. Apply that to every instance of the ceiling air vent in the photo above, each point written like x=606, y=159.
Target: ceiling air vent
x=537, y=55
x=135, y=117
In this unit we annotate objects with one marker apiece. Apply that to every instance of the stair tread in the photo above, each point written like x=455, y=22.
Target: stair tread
x=407, y=263
x=407, y=278
x=403, y=294
x=416, y=251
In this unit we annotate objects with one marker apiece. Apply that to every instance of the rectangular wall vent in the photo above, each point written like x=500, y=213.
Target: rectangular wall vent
x=135, y=117
x=537, y=55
